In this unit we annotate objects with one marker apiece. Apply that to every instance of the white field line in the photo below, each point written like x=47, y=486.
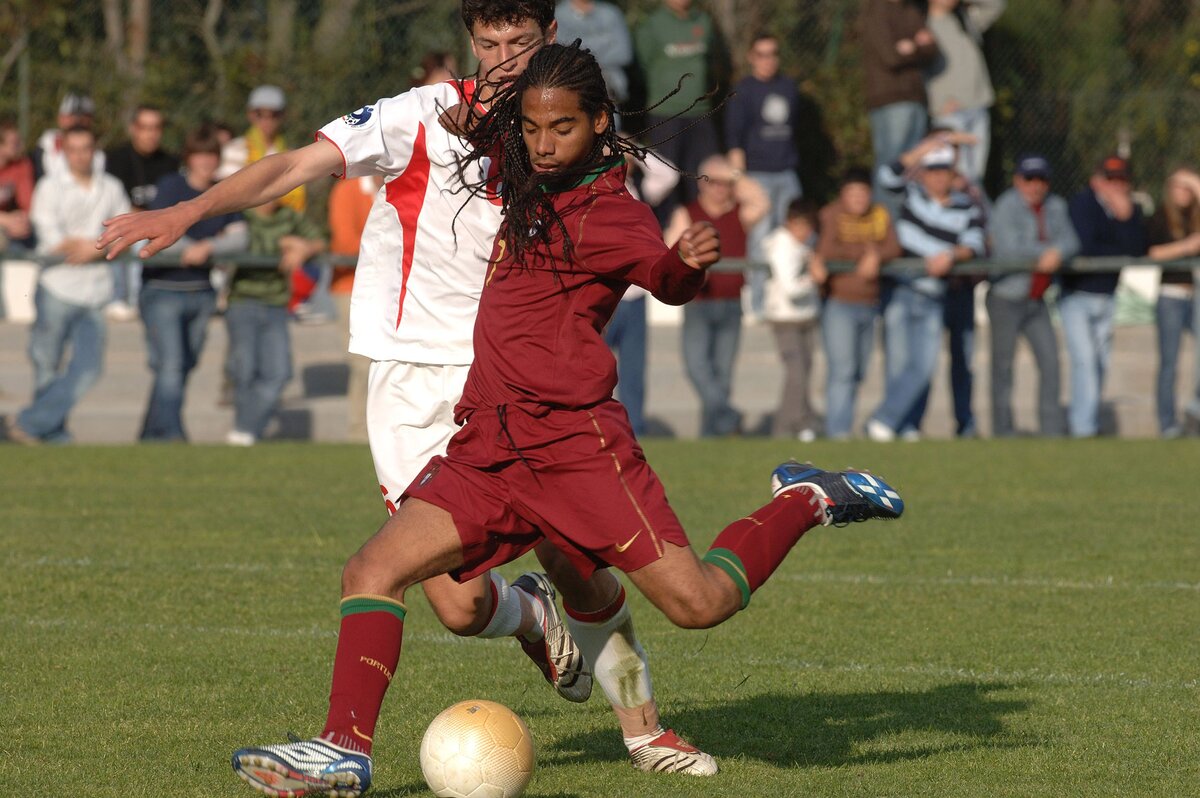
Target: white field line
x=327, y=633
x=950, y=580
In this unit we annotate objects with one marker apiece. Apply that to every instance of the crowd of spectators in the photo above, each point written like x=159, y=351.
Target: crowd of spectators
x=728, y=154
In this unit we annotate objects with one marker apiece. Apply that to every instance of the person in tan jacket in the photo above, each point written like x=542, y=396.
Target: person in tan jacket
x=852, y=228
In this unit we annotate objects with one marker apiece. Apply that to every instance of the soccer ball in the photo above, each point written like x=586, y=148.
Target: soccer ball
x=477, y=749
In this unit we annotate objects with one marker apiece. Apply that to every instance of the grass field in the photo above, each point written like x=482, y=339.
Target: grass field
x=1030, y=628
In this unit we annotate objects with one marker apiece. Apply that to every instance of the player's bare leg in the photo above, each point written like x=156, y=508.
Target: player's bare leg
x=418, y=542
x=602, y=625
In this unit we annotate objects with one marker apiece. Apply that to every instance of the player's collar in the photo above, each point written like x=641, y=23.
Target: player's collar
x=554, y=185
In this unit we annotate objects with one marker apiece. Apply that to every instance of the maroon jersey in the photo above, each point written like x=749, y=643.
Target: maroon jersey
x=723, y=285
x=538, y=336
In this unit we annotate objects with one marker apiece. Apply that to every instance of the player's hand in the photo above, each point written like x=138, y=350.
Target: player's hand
x=700, y=245
x=161, y=229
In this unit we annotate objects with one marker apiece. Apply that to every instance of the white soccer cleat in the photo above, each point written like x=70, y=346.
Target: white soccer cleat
x=557, y=654
x=669, y=753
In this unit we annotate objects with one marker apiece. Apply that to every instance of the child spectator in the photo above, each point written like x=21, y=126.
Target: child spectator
x=791, y=306
x=852, y=229
x=257, y=316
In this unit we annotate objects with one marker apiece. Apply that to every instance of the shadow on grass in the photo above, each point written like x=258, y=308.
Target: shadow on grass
x=420, y=788
x=832, y=729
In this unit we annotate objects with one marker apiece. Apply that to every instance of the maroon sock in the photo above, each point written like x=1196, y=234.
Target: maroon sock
x=368, y=649
x=751, y=548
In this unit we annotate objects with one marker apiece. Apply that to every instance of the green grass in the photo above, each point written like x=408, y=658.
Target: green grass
x=1031, y=628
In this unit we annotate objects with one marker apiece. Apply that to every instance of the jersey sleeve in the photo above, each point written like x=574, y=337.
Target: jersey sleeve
x=379, y=138
x=620, y=238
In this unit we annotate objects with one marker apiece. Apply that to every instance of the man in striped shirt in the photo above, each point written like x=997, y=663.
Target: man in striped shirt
x=944, y=227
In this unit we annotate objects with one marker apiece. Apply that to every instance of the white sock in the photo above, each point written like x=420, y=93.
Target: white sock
x=633, y=743
x=618, y=660
x=510, y=607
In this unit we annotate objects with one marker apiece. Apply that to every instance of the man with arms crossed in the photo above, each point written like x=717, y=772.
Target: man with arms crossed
x=416, y=293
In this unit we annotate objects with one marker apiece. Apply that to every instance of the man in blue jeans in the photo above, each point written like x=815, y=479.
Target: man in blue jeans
x=1109, y=223
x=944, y=227
x=67, y=213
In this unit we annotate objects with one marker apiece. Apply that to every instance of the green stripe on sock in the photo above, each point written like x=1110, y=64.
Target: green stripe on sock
x=359, y=604
x=731, y=564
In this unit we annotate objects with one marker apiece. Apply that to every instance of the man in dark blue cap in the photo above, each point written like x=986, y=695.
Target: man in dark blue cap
x=1029, y=224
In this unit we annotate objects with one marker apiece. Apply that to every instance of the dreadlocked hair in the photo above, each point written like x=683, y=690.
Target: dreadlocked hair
x=527, y=196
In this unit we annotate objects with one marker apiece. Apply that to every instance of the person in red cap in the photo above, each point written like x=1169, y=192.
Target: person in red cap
x=1109, y=224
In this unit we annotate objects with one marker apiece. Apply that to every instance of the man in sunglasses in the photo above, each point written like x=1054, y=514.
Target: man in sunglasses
x=265, y=110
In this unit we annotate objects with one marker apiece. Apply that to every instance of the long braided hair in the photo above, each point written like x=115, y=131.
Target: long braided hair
x=526, y=195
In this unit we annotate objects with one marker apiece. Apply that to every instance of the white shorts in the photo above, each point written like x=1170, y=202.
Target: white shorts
x=410, y=418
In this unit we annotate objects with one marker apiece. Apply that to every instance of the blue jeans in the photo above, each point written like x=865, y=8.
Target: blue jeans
x=1173, y=315
x=848, y=331
x=176, y=323
x=895, y=129
x=781, y=188
x=972, y=158
x=712, y=329
x=1087, y=321
x=127, y=280
x=626, y=336
x=57, y=390
x=260, y=351
x=912, y=336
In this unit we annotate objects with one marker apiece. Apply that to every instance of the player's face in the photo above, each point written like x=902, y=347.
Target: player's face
x=504, y=50
x=558, y=133
x=146, y=130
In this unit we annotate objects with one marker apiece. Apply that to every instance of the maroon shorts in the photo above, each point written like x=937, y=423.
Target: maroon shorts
x=575, y=477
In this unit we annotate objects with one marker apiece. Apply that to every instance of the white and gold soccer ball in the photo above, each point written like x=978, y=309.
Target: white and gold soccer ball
x=477, y=749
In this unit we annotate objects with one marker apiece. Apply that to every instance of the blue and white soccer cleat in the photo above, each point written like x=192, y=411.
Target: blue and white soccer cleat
x=848, y=496
x=304, y=767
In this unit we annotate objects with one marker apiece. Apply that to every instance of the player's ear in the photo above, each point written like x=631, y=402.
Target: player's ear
x=550, y=34
x=600, y=121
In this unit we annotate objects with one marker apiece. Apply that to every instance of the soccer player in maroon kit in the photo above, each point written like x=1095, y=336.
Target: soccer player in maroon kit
x=544, y=446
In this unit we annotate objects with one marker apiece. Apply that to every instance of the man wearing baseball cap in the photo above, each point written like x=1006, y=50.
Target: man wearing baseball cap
x=1028, y=224
x=75, y=110
x=1109, y=224
x=265, y=108
x=943, y=226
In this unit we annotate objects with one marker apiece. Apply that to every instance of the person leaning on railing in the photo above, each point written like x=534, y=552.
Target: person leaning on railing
x=1174, y=234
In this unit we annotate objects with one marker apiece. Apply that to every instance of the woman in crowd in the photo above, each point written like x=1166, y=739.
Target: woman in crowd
x=1174, y=234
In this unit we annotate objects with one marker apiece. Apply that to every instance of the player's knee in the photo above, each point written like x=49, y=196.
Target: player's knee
x=460, y=619
x=363, y=575
x=692, y=610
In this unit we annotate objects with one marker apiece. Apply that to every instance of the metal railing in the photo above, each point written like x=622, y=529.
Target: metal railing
x=898, y=267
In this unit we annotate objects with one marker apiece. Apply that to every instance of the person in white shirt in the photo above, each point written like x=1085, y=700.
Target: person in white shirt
x=791, y=306
x=421, y=268
x=68, y=211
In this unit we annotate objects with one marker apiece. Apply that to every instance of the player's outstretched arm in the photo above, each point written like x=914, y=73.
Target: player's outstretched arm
x=261, y=181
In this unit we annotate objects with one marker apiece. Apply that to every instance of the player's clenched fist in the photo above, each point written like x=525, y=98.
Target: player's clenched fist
x=700, y=245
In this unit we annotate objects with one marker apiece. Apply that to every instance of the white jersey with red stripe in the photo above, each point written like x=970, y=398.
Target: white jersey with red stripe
x=427, y=240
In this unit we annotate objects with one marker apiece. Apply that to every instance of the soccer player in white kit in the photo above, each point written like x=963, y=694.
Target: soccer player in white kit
x=421, y=268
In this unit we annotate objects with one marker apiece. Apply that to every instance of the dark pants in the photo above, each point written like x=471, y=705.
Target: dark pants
x=626, y=336
x=685, y=143
x=796, y=341
x=1009, y=319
